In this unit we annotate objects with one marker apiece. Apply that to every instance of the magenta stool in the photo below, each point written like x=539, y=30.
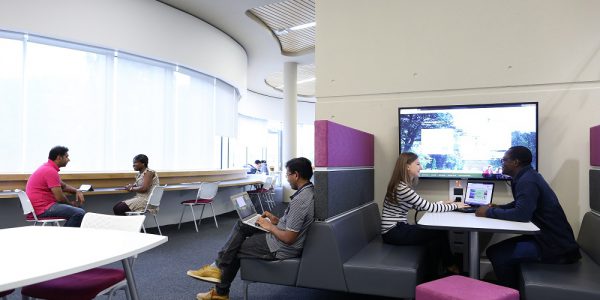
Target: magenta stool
x=460, y=287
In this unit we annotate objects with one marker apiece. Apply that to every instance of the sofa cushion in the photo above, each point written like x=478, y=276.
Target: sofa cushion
x=283, y=272
x=385, y=270
x=588, y=237
x=572, y=281
x=331, y=243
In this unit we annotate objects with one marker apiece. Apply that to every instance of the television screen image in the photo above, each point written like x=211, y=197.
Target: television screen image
x=467, y=141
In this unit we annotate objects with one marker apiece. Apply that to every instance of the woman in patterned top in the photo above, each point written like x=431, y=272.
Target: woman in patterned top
x=399, y=199
x=145, y=181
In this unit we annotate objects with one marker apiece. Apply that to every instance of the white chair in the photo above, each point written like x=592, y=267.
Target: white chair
x=206, y=194
x=93, y=282
x=29, y=212
x=154, y=200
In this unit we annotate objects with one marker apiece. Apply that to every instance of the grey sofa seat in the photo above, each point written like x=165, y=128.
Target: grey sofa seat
x=579, y=281
x=346, y=254
x=282, y=272
x=383, y=268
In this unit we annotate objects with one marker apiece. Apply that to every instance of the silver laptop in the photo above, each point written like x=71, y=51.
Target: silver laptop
x=478, y=194
x=245, y=209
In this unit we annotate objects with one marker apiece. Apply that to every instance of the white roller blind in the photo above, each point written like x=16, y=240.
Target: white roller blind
x=107, y=107
x=226, y=100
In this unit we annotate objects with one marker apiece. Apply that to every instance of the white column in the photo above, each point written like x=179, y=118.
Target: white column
x=290, y=110
x=290, y=120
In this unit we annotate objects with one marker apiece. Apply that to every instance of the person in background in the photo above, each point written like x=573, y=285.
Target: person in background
x=145, y=181
x=400, y=197
x=534, y=201
x=46, y=190
x=264, y=169
x=285, y=238
x=257, y=165
x=254, y=169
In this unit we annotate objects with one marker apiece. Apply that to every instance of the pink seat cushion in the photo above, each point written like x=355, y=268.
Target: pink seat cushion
x=460, y=287
x=4, y=293
x=79, y=286
x=29, y=217
x=200, y=201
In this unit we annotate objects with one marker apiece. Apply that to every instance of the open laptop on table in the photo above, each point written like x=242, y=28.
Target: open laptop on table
x=478, y=194
x=245, y=209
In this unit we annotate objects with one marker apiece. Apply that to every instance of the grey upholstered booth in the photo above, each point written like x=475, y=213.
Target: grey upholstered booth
x=572, y=281
x=345, y=253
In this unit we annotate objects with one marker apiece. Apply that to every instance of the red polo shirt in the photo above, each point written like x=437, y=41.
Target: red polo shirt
x=39, y=186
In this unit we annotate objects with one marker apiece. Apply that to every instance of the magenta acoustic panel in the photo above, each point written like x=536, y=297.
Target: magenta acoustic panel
x=341, y=146
x=595, y=146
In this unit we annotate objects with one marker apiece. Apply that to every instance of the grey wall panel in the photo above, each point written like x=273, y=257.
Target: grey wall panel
x=341, y=190
x=595, y=190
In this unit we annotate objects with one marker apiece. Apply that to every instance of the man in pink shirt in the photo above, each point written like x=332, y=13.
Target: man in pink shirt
x=46, y=190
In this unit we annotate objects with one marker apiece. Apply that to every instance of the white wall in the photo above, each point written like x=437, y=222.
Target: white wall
x=375, y=56
x=142, y=27
x=270, y=108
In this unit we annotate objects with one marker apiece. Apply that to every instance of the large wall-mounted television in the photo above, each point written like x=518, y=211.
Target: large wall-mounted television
x=467, y=141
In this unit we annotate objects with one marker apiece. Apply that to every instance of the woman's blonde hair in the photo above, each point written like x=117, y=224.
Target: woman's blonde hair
x=401, y=174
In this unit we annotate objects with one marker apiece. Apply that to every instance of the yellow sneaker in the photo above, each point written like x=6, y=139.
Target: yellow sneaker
x=211, y=295
x=208, y=273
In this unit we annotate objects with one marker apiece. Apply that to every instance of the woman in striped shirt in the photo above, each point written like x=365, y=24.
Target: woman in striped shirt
x=399, y=199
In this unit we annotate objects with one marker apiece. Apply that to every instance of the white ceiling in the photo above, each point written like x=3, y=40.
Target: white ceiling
x=262, y=47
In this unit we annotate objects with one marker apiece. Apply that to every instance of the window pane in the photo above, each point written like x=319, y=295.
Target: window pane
x=251, y=141
x=64, y=105
x=106, y=109
x=11, y=73
x=139, y=114
x=194, y=122
x=226, y=109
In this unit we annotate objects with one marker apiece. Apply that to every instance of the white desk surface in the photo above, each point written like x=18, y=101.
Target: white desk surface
x=33, y=254
x=470, y=222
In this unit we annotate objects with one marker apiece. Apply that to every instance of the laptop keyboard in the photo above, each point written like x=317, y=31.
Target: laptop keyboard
x=253, y=219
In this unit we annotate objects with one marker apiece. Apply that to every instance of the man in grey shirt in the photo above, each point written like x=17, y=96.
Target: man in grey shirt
x=285, y=238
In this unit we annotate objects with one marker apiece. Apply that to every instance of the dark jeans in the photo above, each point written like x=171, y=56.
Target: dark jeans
x=436, y=242
x=121, y=208
x=244, y=241
x=507, y=255
x=72, y=214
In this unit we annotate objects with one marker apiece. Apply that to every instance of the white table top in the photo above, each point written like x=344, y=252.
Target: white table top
x=470, y=222
x=34, y=254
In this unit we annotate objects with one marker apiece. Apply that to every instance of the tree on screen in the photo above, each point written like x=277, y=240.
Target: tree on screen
x=527, y=139
x=412, y=124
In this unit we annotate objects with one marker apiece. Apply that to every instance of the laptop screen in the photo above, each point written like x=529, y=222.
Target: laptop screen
x=243, y=205
x=479, y=193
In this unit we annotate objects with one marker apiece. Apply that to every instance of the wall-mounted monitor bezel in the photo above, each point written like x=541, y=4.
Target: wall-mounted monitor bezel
x=442, y=173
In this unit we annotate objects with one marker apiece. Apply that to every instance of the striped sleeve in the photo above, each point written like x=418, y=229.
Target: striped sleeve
x=408, y=195
x=408, y=199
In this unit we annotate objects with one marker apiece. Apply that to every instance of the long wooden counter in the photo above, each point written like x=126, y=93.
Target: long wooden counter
x=110, y=182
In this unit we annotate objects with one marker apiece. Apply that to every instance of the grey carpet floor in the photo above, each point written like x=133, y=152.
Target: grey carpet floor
x=160, y=272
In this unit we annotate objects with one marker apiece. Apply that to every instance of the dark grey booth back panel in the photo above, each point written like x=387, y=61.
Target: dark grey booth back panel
x=595, y=190
x=342, y=190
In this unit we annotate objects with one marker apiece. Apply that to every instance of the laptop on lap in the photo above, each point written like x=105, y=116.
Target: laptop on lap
x=245, y=209
x=477, y=194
